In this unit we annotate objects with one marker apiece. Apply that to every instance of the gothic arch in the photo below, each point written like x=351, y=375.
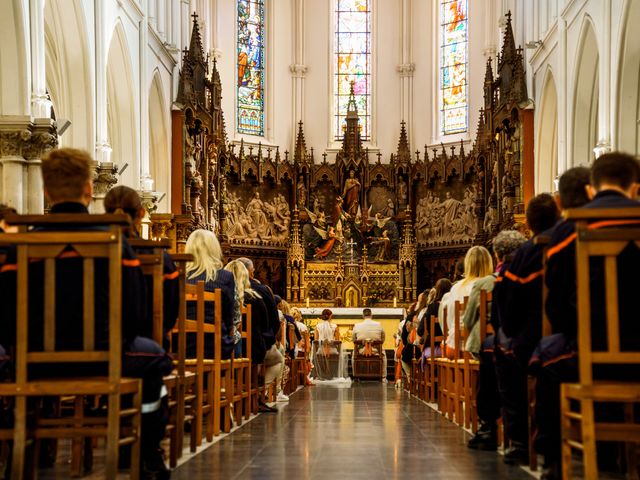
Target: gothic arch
x=160, y=163
x=628, y=107
x=14, y=70
x=121, y=108
x=68, y=72
x=547, y=137
x=586, y=96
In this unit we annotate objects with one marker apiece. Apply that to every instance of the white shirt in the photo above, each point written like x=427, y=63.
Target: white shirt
x=458, y=291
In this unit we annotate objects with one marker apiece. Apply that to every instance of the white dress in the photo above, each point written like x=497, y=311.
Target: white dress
x=329, y=360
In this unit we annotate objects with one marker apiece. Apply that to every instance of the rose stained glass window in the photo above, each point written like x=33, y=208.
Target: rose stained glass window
x=352, y=63
x=453, y=66
x=250, y=67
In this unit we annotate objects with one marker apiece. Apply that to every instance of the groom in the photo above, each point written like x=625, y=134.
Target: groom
x=368, y=329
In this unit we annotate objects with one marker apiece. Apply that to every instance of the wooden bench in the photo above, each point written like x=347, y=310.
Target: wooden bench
x=90, y=247
x=430, y=370
x=608, y=244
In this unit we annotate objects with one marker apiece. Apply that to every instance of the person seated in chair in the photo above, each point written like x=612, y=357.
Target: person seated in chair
x=67, y=177
x=614, y=182
x=370, y=330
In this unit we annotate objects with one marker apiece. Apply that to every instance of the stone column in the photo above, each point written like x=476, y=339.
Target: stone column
x=103, y=148
x=297, y=68
x=22, y=144
x=406, y=69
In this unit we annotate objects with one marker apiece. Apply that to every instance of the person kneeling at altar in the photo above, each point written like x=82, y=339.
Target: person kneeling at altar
x=370, y=330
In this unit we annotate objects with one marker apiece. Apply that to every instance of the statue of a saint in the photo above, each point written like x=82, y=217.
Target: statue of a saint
x=301, y=191
x=351, y=194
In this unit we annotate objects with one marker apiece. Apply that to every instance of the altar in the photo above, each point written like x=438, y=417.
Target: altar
x=347, y=318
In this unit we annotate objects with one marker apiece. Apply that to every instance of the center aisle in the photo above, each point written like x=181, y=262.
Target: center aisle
x=369, y=431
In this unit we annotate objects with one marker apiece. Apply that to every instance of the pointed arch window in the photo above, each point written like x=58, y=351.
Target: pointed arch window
x=454, y=108
x=352, y=57
x=250, y=67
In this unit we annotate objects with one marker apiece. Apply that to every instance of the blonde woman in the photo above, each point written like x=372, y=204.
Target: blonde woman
x=477, y=264
x=207, y=266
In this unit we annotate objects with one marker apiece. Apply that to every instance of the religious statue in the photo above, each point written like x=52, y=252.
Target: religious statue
x=402, y=192
x=301, y=190
x=384, y=247
x=325, y=249
x=388, y=210
x=351, y=194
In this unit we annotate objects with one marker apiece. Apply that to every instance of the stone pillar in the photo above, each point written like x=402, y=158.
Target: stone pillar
x=22, y=144
x=297, y=68
x=40, y=103
x=146, y=183
x=406, y=68
x=103, y=148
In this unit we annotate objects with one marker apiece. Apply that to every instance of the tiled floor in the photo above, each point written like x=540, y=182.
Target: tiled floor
x=369, y=431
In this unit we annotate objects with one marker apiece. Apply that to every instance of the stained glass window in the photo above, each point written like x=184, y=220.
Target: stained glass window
x=453, y=66
x=353, y=63
x=250, y=67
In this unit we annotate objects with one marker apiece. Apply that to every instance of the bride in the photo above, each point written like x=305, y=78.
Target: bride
x=329, y=360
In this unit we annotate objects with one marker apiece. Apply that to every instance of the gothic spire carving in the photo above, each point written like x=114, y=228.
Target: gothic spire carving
x=352, y=142
x=404, y=150
x=194, y=70
x=509, y=51
x=300, y=152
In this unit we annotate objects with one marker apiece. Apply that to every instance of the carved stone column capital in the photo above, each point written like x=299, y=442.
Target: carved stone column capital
x=406, y=69
x=298, y=71
x=104, y=178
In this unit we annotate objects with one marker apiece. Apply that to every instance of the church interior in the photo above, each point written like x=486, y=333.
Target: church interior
x=358, y=238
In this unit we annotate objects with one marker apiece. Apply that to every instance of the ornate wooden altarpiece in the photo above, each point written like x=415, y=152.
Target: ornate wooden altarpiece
x=357, y=231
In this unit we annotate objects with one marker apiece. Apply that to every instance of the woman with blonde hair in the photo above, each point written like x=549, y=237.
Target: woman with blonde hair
x=207, y=266
x=477, y=264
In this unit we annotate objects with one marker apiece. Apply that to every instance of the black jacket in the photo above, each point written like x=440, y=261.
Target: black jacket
x=259, y=323
x=226, y=283
x=561, y=303
x=69, y=294
x=271, y=331
x=425, y=324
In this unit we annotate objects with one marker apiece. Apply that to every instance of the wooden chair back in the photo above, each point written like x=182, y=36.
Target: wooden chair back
x=245, y=333
x=96, y=252
x=151, y=256
x=608, y=244
x=48, y=248
x=197, y=293
x=181, y=261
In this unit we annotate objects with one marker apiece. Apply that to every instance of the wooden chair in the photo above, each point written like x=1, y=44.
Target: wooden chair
x=430, y=370
x=332, y=359
x=302, y=367
x=91, y=247
x=441, y=364
x=460, y=372
x=607, y=244
x=187, y=397
x=151, y=256
x=368, y=363
x=212, y=374
x=241, y=368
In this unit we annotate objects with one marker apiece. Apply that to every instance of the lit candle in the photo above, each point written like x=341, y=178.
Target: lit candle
x=307, y=302
x=395, y=302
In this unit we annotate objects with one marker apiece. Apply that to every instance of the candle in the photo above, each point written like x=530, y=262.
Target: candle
x=395, y=302
x=307, y=302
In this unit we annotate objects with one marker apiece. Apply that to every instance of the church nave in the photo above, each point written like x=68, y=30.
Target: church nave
x=369, y=431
